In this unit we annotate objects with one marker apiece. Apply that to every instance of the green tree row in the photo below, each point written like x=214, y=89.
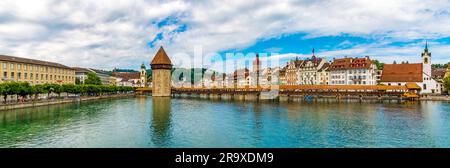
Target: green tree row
x=24, y=89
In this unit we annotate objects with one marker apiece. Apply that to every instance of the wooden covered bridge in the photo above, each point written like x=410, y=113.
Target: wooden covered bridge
x=409, y=91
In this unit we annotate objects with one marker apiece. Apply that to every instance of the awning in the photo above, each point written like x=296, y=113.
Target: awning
x=413, y=86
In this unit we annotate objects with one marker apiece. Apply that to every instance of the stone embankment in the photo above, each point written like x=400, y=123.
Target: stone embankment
x=45, y=102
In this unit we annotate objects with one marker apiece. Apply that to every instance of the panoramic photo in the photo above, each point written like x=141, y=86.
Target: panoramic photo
x=224, y=74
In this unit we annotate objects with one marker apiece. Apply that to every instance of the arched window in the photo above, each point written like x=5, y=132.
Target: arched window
x=425, y=60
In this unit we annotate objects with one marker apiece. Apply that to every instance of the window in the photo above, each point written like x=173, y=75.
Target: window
x=25, y=67
x=46, y=77
x=5, y=74
x=25, y=75
x=12, y=75
x=12, y=66
x=31, y=75
x=4, y=65
x=19, y=67
x=19, y=75
x=424, y=86
x=42, y=76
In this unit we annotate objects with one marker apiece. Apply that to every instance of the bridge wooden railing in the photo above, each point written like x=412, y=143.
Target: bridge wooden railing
x=297, y=90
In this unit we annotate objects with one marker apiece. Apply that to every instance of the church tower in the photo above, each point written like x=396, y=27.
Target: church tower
x=426, y=60
x=161, y=74
x=257, y=69
x=143, y=75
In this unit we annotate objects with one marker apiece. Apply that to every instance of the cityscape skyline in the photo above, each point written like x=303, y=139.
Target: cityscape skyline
x=126, y=33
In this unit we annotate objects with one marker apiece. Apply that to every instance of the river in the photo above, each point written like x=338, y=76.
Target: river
x=163, y=122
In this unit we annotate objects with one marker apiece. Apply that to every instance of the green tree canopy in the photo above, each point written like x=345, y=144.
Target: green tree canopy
x=446, y=83
x=92, y=79
x=379, y=64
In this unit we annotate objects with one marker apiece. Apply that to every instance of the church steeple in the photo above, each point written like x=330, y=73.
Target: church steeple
x=425, y=51
x=426, y=60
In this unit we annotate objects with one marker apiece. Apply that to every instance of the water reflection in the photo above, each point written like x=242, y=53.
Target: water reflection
x=164, y=122
x=161, y=109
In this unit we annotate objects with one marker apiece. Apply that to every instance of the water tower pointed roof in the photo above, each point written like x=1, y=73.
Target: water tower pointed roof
x=161, y=58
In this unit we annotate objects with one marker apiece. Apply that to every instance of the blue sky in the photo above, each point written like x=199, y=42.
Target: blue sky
x=124, y=33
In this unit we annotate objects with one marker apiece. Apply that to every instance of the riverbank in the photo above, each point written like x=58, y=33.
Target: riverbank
x=435, y=98
x=47, y=102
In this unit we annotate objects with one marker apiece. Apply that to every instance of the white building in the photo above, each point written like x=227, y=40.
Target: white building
x=418, y=73
x=323, y=75
x=353, y=71
x=307, y=73
x=82, y=73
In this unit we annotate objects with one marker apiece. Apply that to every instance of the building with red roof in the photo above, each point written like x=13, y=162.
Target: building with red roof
x=418, y=73
x=353, y=71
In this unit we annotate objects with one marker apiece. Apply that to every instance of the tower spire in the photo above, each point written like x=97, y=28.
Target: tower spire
x=426, y=46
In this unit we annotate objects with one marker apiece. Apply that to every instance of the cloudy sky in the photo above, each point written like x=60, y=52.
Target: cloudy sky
x=124, y=33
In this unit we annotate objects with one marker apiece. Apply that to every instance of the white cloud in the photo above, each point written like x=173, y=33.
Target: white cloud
x=107, y=34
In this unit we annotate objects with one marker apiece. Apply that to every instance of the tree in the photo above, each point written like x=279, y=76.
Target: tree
x=36, y=90
x=439, y=66
x=77, y=81
x=92, y=79
x=447, y=83
x=24, y=89
x=4, y=91
x=379, y=64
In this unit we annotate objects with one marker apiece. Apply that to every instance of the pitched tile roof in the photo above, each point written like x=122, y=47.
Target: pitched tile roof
x=31, y=61
x=324, y=67
x=351, y=63
x=161, y=58
x=402, y=73
x=438, y=73
x=127, y=75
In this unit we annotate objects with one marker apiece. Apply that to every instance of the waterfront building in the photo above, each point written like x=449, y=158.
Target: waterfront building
x=282, y=76
x=104, y=76
x=438, y=74
x=132, y=79
x=221, y=80
x=161, y=74
x=269, y=76
x=34, y=71
x=378, y=75
x=82, y=75
x=353, y=71
x=113, y=81
x=292, y=71
x=323, y=75
x=242, y=78
x=307, y=72
x=419, y=73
